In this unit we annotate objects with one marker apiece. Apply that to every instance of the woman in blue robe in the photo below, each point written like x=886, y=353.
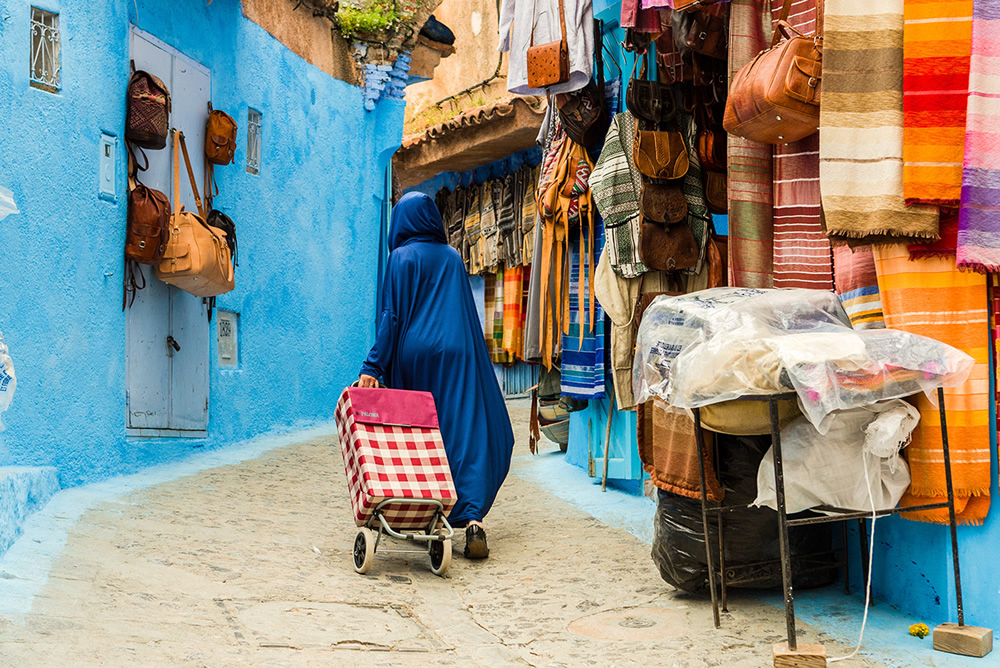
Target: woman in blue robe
x=430, y=338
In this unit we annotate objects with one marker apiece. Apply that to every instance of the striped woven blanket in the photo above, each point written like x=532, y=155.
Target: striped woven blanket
x=861, y=126
x=932, y=298
x=937, y=41
x=979, y=219
x=751, y=223
x=802, y=256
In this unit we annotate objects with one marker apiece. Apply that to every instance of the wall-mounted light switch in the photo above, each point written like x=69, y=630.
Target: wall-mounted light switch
x=106, y=169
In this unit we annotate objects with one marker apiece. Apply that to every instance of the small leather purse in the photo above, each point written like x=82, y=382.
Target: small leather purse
x=667, y=247
x=663, y=203
x=712, y=148
x=650, y=100
x=660, y=154
x=548, y=64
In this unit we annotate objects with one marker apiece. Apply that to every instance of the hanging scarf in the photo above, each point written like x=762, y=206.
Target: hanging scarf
x=945, y=246
x=857, y=286
x=583, y=368
x=495, y=319
x=979, y=219
x=513, y=321
x=937, y=43
x=861, y=127
x=934, y=299
x=751, y=222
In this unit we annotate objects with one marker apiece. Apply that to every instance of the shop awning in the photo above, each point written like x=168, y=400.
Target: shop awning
x=474, y=138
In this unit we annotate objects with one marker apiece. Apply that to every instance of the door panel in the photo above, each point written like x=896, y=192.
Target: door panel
x=147, y=320
x=168, y=389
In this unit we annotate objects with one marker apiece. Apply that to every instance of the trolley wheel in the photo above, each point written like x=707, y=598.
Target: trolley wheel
x=440, y=551
x=364, y=550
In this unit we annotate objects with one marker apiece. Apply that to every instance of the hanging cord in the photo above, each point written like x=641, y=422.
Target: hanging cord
x=871, y=559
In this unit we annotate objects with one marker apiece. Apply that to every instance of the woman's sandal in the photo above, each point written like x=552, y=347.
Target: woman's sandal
x=475, y=543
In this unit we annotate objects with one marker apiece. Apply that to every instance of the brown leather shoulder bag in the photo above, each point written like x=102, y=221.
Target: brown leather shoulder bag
x=548, y=64
x=774, y=99
x=660, y=154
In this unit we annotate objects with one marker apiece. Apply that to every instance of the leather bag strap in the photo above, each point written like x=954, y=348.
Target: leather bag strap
x=177, y=172
x=194, y=183
x=562, y=25
x=786, y=10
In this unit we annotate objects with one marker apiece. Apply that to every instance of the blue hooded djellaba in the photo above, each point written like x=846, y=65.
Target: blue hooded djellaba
x=430, y=338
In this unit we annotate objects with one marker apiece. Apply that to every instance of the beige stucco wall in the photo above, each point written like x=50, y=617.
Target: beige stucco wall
x=474, y=23
x=311, y=37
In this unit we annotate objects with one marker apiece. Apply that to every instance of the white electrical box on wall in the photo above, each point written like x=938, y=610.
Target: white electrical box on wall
x=106, y=166
x=227, y=329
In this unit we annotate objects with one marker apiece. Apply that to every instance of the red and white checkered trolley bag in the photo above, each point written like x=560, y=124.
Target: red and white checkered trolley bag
x=393, y=449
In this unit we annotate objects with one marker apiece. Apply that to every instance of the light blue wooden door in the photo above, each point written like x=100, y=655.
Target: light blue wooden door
x=168, y=388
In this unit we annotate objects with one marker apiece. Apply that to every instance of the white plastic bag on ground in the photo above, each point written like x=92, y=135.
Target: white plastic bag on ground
x=830, y=469
x=8, y=381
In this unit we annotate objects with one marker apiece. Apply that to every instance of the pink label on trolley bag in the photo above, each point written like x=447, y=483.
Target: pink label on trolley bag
x=393, y=407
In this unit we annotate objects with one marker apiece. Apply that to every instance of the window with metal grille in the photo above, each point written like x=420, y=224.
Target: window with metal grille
x=254, y=123
x=44, y=50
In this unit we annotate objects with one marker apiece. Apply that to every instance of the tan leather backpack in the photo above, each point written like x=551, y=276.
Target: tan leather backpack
x=197, y=258
x=775, y=97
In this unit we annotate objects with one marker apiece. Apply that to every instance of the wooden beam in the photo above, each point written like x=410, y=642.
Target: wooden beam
x=968, y=640
x=805, y=656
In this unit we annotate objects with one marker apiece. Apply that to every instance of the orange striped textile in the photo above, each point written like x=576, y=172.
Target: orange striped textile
x=931, y=297
x=513, y=323
x=937, y=47
x=802, y=254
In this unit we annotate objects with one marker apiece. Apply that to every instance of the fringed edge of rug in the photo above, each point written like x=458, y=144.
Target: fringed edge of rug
x=947, y=203
x=932, y=254
x=920, y=516
x=942, y=492
x=878, y=238
x=978, y=268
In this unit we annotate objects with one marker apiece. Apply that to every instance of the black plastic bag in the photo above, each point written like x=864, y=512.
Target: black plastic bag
x=751, y=534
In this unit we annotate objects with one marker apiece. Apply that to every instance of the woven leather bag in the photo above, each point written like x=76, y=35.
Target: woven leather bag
x=584, y=113
x=663, y=203
x=148, y=225
x=220, y=138
x=197, y=258
x=548, y=64
x=651, y=101
x=660, y=154
x=147, y=113
x=774, y=99
x=667, y=247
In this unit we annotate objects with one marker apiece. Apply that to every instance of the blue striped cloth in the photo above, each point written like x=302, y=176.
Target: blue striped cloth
x=583, y=369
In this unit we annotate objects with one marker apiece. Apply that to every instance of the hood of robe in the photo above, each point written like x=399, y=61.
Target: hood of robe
x=415, y=218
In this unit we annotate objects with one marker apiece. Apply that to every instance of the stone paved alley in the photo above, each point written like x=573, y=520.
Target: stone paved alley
x=249, y=564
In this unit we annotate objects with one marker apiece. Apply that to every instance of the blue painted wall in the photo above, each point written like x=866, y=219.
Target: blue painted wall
x=308, y=230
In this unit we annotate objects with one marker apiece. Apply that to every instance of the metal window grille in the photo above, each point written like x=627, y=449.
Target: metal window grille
x=44, y=50
x=254, y=122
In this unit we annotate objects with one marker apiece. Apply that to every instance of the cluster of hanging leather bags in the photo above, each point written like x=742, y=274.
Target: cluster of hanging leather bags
x=195, y=252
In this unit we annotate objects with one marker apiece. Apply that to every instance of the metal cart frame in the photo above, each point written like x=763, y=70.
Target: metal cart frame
x=836, y=515
x=437, y=535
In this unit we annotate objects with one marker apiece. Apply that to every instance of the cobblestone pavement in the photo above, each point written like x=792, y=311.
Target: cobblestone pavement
x=249, y=565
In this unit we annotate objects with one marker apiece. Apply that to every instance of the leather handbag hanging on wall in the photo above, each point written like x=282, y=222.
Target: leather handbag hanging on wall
x=663, y=203
x=147, y=112
x=548, y=64
x=220, y=148
x=775, y=97
x=707, y=36
x=197, y=258
x=660, y=154
x=650, y=100
x=584, y=113
x=667, y=247
x=146, y=232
